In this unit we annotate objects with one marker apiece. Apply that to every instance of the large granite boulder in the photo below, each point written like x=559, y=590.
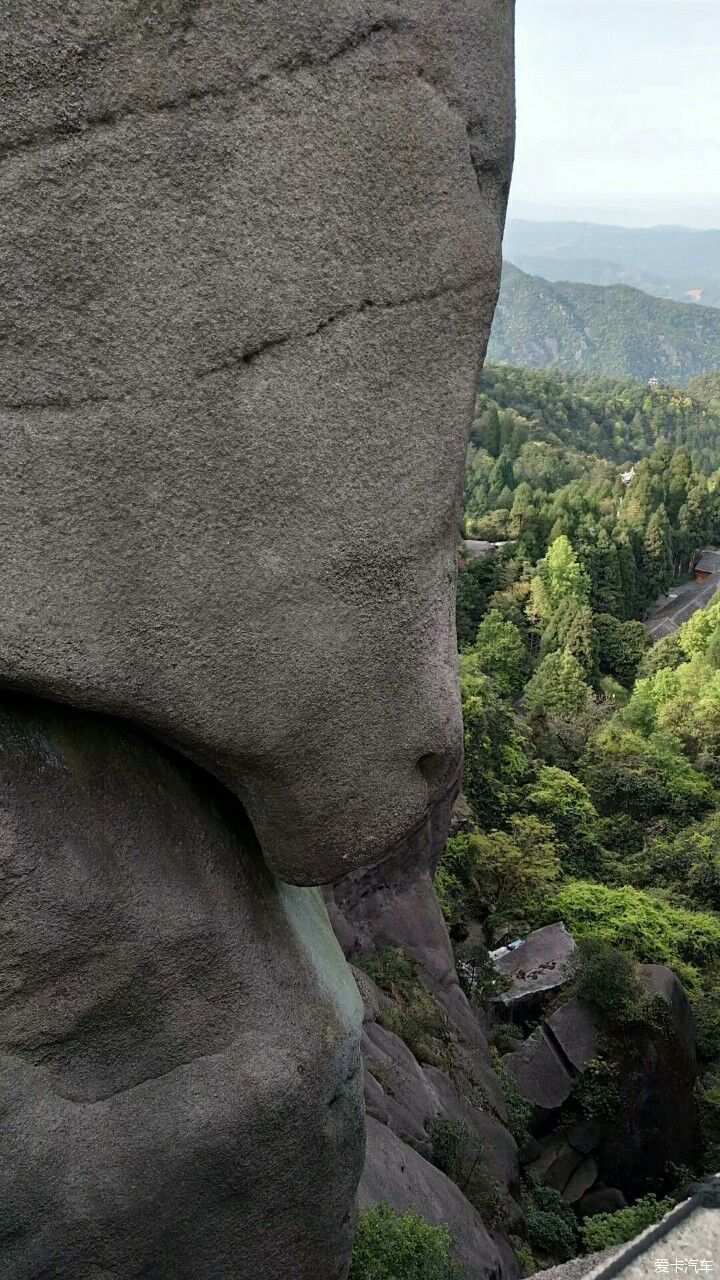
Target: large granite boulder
x=178, y=1031
x=660, y=1126
x=652, y=1124
x=574, y=1029
x=540, y=1072
x=251, y=251
x=543, y=963
x=546, y=1065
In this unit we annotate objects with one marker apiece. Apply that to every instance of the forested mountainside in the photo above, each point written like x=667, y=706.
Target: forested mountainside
x=705, y=389
x=617, y=331
x=592, y=783
x=619, y=419
x=592, y=789
x=624, y=471
x=669, y=262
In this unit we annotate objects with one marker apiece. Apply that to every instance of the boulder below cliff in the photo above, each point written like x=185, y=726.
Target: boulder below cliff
x=643, y=1117
x=179, y=1032
x=534, y=970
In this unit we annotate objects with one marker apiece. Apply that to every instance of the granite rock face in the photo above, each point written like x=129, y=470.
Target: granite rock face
x=179, y=1061
x=395, y=1174
x=250, y=257
x=395, y=905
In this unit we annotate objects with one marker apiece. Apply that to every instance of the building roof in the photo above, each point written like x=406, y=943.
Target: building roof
x=709, y=561
x=476, y=548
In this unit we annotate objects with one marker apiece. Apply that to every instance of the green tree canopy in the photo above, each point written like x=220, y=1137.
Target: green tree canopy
x=627, y=772
x=564, y=805
x=499, y=652
x=558, y=686
x=497, y=754
x=621, y=646
x=560, y=577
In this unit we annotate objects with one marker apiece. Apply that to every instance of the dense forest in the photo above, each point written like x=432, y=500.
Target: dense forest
x=555, y=472
x=616, y=330
x=592, y=774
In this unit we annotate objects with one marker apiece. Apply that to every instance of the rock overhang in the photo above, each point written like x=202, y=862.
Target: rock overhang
x=256, y=273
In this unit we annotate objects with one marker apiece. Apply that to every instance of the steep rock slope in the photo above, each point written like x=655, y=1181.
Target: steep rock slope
x=178, y=1040
x=426, y=1059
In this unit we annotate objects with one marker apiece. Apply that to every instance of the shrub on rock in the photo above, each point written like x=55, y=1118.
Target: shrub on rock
x=608, y=979
x=604, y=1230
x=390, y=1245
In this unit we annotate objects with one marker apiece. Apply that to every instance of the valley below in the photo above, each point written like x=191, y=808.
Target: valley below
x=541, y=1042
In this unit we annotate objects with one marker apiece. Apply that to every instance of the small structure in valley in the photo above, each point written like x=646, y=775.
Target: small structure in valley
x=477, y=548
x=708, y=565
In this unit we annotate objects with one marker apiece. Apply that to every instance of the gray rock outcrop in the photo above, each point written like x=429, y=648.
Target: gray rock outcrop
x=394, y=907
x=544, y=962
x=629, y=1140
x=250, y=257
x=574, y=1028
x=178, y=1039
x=397, y=1175
x=540, y=1072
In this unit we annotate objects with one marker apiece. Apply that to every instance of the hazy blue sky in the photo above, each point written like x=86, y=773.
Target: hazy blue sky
x=618, y=111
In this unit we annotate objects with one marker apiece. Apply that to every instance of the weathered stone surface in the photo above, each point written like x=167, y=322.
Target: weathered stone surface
x=395, y=905
x=584, y=1136
x=398, y=1176
x=580, y=1180
x=374, y=1000
x=375, y=1103
x=539, y=1073
x=663, y=984
x=499, y=1148
x=601, y=1200
x=660, y=1123
x=250, y=258
x=410, y=1100
x=557, y=1160
x=563, y=1167
x=179, y=1032
x=574, y=1029
x=544, y=962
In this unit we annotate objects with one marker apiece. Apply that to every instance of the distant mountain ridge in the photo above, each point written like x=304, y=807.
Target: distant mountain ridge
x=614, y=330
x=668, y=262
